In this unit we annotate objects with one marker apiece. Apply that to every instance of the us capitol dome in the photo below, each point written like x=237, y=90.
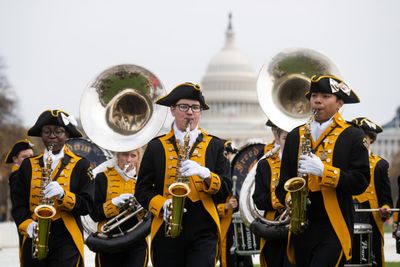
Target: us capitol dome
x=229, y=87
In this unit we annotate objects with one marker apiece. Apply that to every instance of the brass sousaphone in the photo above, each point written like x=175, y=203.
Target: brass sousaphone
x=281, y=87
x=118, y=113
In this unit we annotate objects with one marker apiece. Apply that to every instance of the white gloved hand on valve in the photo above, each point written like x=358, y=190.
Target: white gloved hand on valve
x=54, y=189
x=30, y=228
x=190, y=167
x=167, y=212
x=311, y=165
x=120, y=200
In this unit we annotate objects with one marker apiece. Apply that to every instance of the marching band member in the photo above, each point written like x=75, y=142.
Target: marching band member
x=71, y=188
x=226, y=210
x=114, y=186
x=337, y=168
x=378, y=194
x=268, y=147
x=396, y=227
x=272, y=252
x=21, y=150
x=208, y=171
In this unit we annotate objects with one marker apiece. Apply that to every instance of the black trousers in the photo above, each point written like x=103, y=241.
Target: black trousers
x=275, y=253
x=62, y=249
x=196, y=246
x=377, y=245
x=135, y=256
x=318, y=246
x=235, y=260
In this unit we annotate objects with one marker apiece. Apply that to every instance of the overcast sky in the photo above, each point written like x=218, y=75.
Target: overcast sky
x=52, y=48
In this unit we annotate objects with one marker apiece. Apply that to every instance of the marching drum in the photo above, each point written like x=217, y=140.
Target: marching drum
x=362, y=242
x=244, y=161
x=245, y=242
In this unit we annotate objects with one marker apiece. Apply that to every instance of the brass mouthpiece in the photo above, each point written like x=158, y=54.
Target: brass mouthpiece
x=126, y=166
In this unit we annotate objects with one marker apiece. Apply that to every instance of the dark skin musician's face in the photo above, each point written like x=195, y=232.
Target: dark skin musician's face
x=326, y=105
x=54, y=135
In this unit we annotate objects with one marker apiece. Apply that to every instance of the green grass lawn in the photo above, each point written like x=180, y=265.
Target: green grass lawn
x=388, y=264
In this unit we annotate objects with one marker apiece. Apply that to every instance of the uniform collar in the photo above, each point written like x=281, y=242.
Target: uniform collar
x=179, y=135
x=126, y=175
x=55, y=157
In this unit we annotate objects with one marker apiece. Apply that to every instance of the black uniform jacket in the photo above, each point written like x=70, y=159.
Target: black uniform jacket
x=77, y=201
x=346, y=173
x=265, y=184
x=12, y=180
x=150, y=184
x=378, y=193
x=382, y=183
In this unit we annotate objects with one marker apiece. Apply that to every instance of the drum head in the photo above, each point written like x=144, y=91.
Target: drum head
x=243, y=161
x=89, y=150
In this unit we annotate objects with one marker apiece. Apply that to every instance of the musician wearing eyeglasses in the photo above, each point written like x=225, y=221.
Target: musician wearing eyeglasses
x=114, y=188
x=331, y=154
x=378, y=195
x=191, y=156
x=52, y=191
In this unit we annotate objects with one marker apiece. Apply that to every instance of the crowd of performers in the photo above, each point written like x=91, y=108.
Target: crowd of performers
x=341, y=172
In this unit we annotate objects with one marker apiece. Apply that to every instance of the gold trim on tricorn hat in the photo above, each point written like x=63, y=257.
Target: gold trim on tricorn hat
x=184, y=91
x=16, y=148
x=332, y=85
x=57, y=118
x=367, y=125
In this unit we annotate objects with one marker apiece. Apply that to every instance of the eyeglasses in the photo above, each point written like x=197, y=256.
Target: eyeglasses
x=185, y=107
x=58, y=132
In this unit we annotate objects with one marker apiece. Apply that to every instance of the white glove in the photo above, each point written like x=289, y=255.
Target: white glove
x=190, y=167
x=121, y=199
x=311, y=165
x=54, y=189
x=30, y=228
x=167, y=212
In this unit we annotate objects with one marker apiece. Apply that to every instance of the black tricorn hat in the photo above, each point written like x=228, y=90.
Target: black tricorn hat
x=58, y=118
x=332, y=85
x=183, y=91
x=367, y=125
x=270, y=123
x=16, y=148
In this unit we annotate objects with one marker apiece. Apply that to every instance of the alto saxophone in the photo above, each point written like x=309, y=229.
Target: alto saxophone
x=298, y=186
x=44, y=212
x=179, y=190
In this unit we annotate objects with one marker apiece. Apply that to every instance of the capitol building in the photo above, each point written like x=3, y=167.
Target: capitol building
x=387, y=144
x=229, y=87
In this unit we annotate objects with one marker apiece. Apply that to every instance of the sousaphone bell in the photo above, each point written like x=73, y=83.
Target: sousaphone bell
x=118, y=113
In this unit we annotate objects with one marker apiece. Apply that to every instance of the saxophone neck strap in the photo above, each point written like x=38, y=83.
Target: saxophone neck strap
x=64, y=162
x=313, y=150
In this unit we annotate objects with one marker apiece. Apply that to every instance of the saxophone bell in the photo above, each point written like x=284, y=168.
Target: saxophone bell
x=298, y=186
x=297, y=205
